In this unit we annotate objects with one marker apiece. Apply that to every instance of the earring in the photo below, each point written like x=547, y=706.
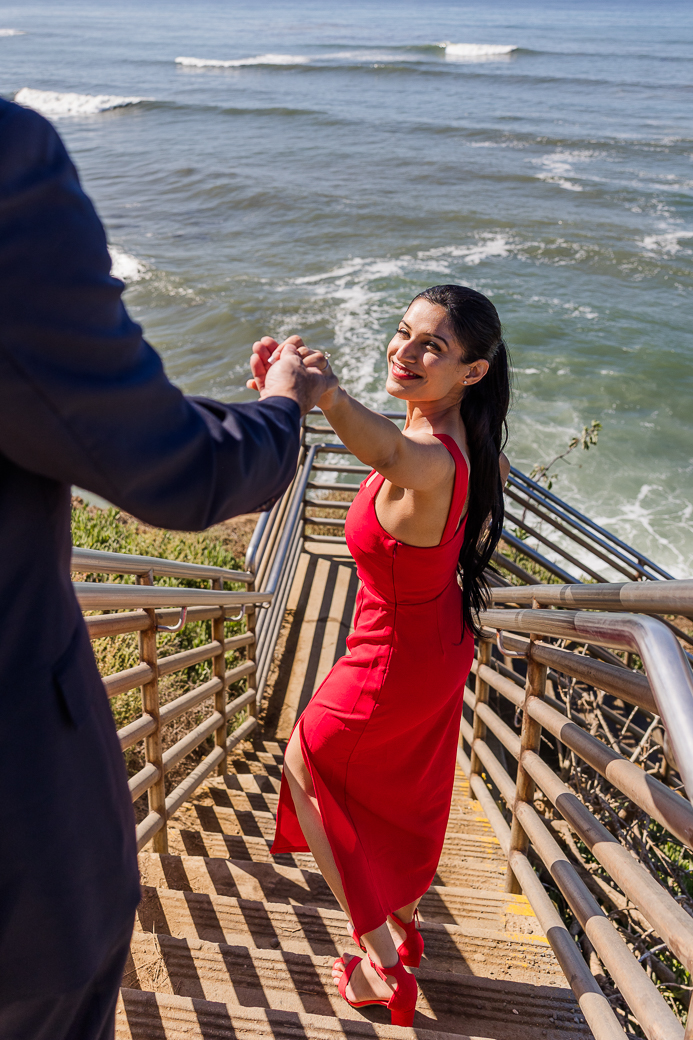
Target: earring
x=464, y=381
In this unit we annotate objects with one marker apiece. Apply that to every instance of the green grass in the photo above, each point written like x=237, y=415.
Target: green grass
x=111, y=530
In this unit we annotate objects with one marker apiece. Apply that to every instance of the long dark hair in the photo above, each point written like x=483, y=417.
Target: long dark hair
x=484, y=408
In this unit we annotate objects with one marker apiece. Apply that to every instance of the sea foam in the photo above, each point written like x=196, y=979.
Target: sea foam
x=234, y=63
x=125, y=266
x=12, y=32
x=667, y=242
x=477, y=51
x=53, y=104
x=557, y=165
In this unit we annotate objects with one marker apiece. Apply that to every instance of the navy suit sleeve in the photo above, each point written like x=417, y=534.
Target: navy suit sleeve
x=83, y=398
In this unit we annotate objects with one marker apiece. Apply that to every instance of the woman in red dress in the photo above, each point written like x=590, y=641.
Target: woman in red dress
x=369, y=769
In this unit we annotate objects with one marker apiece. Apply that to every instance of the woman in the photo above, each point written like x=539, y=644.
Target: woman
x=369, y=769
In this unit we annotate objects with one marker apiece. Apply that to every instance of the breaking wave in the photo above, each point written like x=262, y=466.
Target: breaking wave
x=666, y=243
x=234, y=63
x=126, y=266
x=53, y=104
x=558, y=164
x=477, y=52
x=365, y=55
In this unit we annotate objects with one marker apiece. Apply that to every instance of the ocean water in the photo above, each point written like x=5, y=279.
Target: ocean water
x=308, y=167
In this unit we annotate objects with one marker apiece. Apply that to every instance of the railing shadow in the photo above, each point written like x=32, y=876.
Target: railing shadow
x=281, y=681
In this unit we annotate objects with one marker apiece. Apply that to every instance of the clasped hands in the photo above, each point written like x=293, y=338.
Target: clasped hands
x=291, y=369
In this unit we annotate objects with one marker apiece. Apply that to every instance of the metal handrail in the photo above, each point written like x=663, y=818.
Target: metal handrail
x=532, y=824
x=292, y=519
x=576, y=526
x=578, y=534
x=537, y=557
x=522, y=478
x=674, y=596
x=254, y=543
x=88, y=560
x=671, y=679
x=103, y=595
x=192, y=604
x=272, y=557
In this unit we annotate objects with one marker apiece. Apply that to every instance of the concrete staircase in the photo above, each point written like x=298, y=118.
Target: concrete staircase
x=232, y=943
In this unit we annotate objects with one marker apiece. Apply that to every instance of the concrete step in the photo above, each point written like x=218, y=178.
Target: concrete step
x=256, y=782
x=456, y=868
x=475, y=845
x=160, y=1016
x=285, y=981
x=243, y=879
x=249, y=767
x=236, y=800
x=192, y=841
x=280, y=884
x=262, y=774
x=197, y=815
x=469, y=949
x=487, y=873
x=257, y=793
x=255, y=823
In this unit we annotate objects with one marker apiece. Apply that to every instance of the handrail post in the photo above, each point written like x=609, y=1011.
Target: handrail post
x=251, y=651
x=530, y=739
x=218, y=634
x=481, y=692
x=150, y=706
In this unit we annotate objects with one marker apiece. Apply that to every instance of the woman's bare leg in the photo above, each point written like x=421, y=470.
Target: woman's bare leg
x=365, y=982
x=405, y=914
x=308, y=812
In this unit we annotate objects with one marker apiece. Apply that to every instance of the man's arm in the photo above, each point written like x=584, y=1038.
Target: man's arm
x=83, y=398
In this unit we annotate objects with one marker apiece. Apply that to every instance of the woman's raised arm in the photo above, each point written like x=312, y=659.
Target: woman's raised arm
x=417, y=461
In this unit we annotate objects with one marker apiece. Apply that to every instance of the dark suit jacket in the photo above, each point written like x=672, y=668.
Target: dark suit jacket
x=83, y=400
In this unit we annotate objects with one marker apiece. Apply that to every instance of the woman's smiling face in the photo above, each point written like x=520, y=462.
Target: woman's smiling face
x=424, y=358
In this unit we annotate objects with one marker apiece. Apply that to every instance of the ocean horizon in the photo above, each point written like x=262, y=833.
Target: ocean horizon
x=309, y=168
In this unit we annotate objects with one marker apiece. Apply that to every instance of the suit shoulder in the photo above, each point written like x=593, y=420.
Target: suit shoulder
x=27, y=140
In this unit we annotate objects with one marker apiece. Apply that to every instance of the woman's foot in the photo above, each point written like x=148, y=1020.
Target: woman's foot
x=365, y=983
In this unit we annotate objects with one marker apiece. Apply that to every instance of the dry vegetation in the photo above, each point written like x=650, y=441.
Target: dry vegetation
x=222, y=546
x=640, y=737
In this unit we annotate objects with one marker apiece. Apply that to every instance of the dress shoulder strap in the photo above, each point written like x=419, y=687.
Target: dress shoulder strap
x=460, y=487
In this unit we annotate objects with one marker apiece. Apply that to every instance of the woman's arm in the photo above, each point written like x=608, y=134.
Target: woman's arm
x=416, y=461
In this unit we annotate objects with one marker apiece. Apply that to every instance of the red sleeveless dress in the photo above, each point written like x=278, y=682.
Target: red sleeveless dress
x=380, y=734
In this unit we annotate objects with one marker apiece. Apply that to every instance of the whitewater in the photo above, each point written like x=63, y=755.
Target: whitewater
x=53, y=104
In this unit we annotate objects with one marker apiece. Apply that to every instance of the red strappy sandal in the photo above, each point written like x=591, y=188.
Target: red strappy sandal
x=411, y=950
x=357, y=940
x=402, y=1003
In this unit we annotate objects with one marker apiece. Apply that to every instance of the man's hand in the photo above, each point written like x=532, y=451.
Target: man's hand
x=296, y=372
